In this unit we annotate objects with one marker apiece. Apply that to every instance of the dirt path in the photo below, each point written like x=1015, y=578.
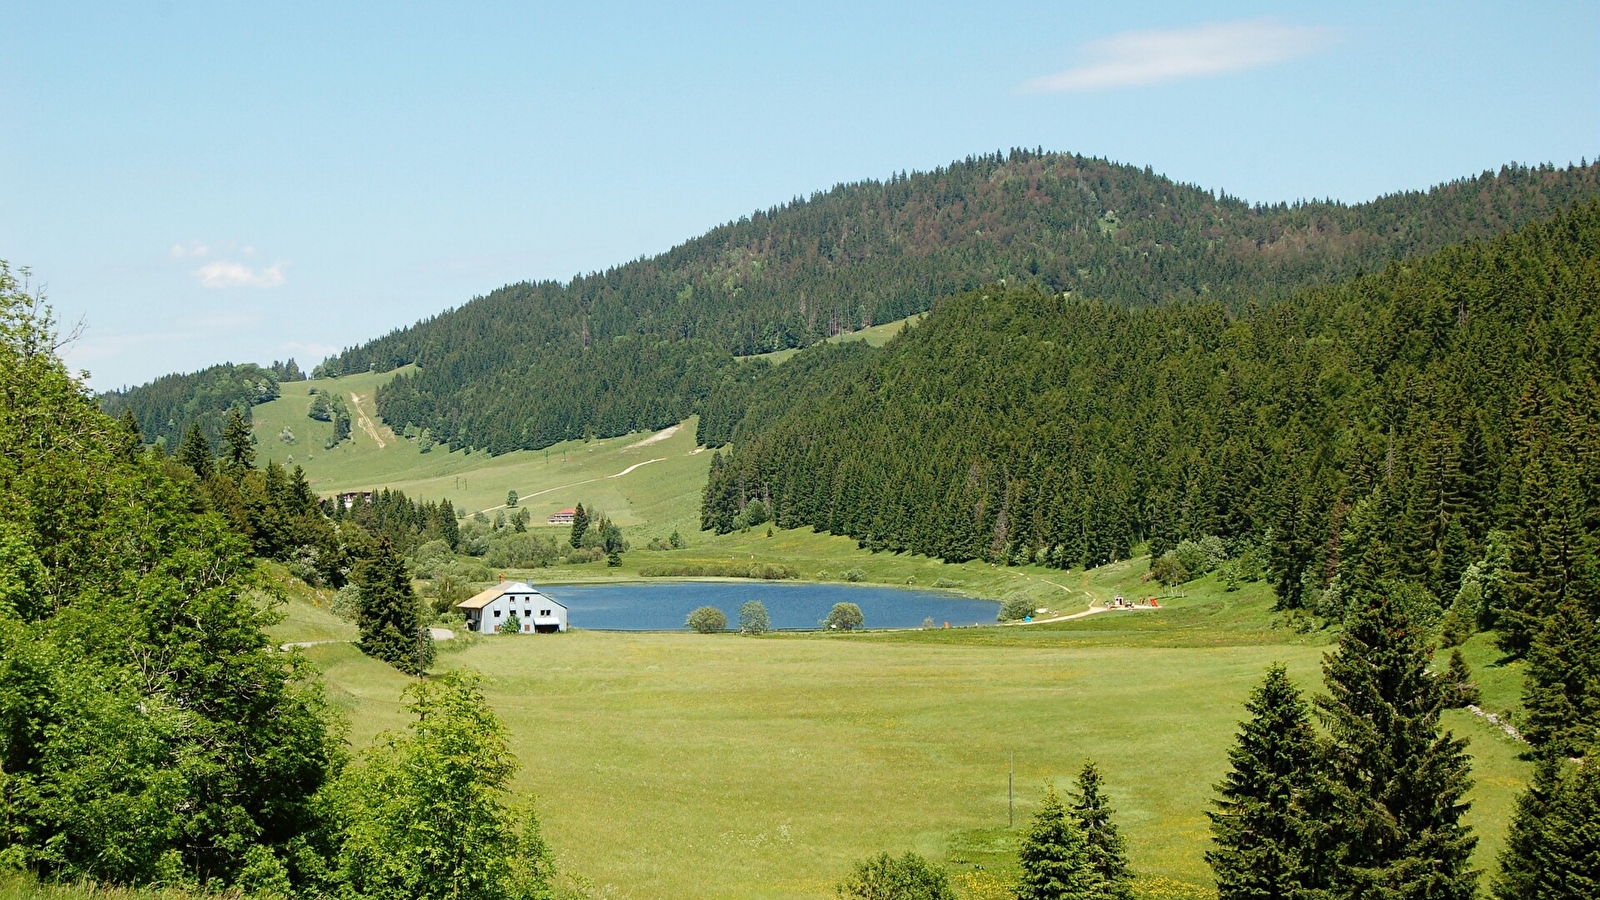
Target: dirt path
x=365, y=422
x=1091, y=611
x=659, y=436
x=635, y=466
x=562, y=487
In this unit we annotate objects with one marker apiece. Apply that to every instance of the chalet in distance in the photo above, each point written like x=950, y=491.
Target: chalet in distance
x=489, y=610
x=563, y=517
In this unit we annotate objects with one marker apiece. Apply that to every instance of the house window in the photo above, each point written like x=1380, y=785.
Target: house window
x=497, y=614
x=544, y=612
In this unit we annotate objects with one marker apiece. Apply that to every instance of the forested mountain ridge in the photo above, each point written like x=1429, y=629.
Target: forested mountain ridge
x=644, y=344
x=166, y=407
x=1394, y=423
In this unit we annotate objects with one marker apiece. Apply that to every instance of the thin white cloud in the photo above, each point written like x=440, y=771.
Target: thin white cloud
x=1138, y=58
x=225, y=274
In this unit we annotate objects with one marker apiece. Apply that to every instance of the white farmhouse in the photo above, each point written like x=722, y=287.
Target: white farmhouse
x=536, y=612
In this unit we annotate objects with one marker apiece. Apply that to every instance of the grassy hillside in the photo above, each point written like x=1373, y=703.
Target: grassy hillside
x=662, y=489
x=671, y=765
x=875, y=336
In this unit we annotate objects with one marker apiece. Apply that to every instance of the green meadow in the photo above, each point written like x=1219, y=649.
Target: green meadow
x=682, y=765
x=678, y=765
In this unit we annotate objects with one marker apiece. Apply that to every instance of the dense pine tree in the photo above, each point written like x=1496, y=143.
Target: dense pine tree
x=1552, y=849
x=1384, y=819
x=196, y=453
x=1562, y=690
x=580, y=526
x=1255, y=825
x=388, y=613
x=1054, y=857
x=1104, y=849
x=238, y=445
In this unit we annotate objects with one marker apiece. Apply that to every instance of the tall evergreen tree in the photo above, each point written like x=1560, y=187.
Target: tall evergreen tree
x=1562, y=689
x=389, y=613
x=1104, y=847
x=1385, y=816
x=238, y=445
x=1552, y=849
x=1054, y=857
x=580, y=525
x=196, y=453
x=1255, y=824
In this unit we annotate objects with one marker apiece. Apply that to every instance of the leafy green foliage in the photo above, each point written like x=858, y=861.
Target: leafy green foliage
x=905, y=877
x=136, y=676
x=425, y=816
x=844, y=617
x=707, y=620
x=753, y=618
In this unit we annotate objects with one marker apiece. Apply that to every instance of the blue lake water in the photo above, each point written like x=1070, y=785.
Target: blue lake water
x=663, y=606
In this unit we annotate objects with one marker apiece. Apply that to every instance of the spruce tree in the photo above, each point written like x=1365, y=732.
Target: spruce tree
x=580, y=525
x=388, y=613
x=1562, y=690
x=1459, y=691
x=1386, y=816
x=1553, y=847
x=1103, y=845
x=238, y=445
x=1054, y=857
x=196, y=453
x=1254, y=825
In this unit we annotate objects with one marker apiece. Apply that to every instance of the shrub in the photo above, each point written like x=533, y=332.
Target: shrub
x=707, y=620
x=1168, y=570
x=1015, y=608
x=844, y=617
x=885, y=877
x=855, y=575
x=763, y=571
x=520, y=550
x=753, y=618
x=947, y=583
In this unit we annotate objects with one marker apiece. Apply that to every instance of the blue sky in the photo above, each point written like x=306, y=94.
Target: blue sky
x=244, y=182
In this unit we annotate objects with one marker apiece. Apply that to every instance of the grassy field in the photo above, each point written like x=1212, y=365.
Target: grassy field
x=875, y=335
x=661, y=488
x=671, y=765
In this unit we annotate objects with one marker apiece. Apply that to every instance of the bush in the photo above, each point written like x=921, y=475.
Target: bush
x=855, y=575
x=1168, y=570
x=707, y=620
x=520, y=550
x=844, y=617
x=1015, y=608
x=763, y=571
x=947, y=583
x=885, y=877
x=753, y=618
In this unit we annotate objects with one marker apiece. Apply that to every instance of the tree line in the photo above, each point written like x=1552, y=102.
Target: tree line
x=645, y=344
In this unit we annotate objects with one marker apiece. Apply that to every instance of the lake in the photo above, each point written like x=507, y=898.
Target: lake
x=663, y=606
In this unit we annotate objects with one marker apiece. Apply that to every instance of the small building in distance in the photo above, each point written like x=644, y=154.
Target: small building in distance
x=563, y=517
x=349, y=498
x=537, y=612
